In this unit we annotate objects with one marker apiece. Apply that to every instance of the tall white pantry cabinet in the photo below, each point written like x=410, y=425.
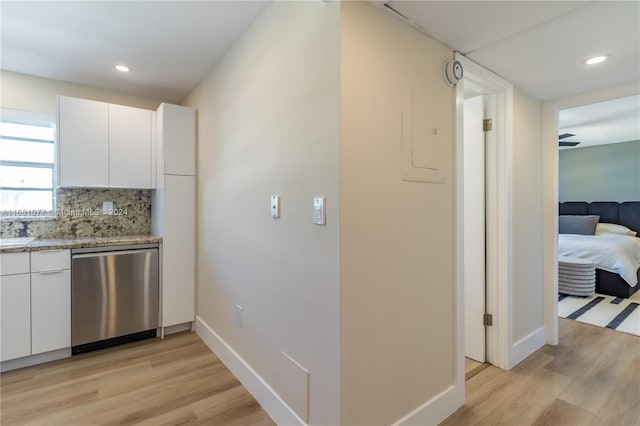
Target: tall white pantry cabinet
x=174, y=210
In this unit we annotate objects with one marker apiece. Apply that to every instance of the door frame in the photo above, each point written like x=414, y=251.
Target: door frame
x=550, y=197
x=499, y=225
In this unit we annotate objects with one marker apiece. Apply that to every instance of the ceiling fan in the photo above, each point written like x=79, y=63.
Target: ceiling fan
x=566, y=143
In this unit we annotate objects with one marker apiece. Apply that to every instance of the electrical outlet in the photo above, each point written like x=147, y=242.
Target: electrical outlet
x=107, y=207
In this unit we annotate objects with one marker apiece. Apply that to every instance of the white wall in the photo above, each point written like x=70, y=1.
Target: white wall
x=36, y=94
x=397, y=237
x=600, y=173
x=527, y=216
x=268, y=123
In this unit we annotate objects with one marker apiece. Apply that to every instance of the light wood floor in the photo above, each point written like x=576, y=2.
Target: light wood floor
x=177, y=380
x=472, y=367
x=591, y=378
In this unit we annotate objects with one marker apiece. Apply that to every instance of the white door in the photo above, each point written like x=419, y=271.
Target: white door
x=129, y=147
x=178, y=247
x=15, y=316
x=83, y=143
x=474, y=229
x=50, y=310
x=177, y=136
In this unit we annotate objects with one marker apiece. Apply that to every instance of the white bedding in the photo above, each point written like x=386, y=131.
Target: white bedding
x=619, y=254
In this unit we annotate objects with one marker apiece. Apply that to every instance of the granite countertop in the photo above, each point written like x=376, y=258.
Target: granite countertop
x=7, y=246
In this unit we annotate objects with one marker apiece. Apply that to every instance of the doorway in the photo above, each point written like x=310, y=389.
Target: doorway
x=478, y=140
x=496, y=93
x=550, y=196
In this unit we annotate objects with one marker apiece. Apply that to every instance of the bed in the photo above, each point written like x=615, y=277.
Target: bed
x=626, y=214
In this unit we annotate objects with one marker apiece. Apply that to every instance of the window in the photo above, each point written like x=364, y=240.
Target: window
x=27, y=164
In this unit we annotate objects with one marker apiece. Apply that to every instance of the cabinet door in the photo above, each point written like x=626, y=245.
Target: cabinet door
x=15, y=317
x=83, y=144
x=178, y=257
x=129, y=147
x=50, y=311
x=177, y=140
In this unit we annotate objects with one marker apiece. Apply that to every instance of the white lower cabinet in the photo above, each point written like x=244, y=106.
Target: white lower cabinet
x=35, y=298
x=50, y=300
x=178, y=250
x=15, y=301
x=50, y=310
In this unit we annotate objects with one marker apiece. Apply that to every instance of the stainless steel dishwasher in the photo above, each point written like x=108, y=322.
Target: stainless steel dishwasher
x=114, y=296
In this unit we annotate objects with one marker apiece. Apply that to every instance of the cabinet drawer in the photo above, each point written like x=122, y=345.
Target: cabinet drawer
x=50, y=260
x=14, y=263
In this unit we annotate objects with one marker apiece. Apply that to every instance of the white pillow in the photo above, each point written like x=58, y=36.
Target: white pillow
x=612, y=228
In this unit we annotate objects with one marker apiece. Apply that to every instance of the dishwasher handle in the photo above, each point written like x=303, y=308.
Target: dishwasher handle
x=113, y=253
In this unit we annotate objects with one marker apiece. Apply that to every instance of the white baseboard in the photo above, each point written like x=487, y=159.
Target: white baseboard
x=436, y=409
x=172, y=329
x=526, y=346
x=28, y=361
x=261, y=391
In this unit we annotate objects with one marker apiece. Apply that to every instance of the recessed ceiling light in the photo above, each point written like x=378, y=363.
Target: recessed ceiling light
x=596, y=60
x=122, y=68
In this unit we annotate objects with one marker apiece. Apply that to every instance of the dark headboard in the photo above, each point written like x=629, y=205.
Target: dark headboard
x=627, y=213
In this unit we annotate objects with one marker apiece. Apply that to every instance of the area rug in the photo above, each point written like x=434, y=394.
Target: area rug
x=612, y=312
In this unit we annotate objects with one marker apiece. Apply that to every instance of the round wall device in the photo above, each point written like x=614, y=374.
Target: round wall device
x=453, y=73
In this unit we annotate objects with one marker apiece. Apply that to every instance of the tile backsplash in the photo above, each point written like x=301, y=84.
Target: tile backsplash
x=79, y=215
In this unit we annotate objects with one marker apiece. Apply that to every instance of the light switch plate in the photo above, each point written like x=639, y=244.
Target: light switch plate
x=275, y=206
x=319, y=211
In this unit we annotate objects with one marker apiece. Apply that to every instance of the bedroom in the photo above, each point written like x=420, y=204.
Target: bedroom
x=599, y=193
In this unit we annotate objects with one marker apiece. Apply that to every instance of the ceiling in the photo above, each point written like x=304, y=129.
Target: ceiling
x=541, y=47
x=613, y=121
x=170, y=46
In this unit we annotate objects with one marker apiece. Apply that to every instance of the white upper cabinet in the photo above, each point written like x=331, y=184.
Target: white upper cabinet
x=129, y=147
x=83, y=143
x=103, y=145
x=176, y=140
